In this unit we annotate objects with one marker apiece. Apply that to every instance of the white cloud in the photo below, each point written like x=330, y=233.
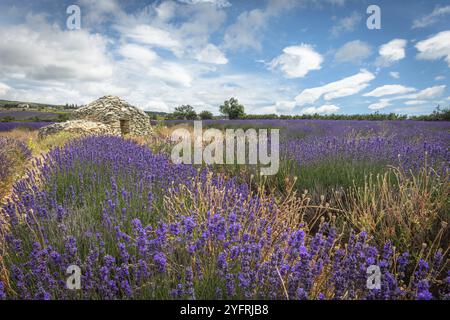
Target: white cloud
x=435, y=47
x=389, y=89
x=414, y=110
x=346, y=24
x=391, y=52
x=211, y=54
x=425, y=94
x=138, y=53
x=353, y=51
x=342, y=88
x=218, y=3
x=157, y=105
x=394, y=74
x=41, y=51
x=111, y=62
x=247, y=31
x=431, y=18
x=325, y=109
x=297, y=61
x=415, y=102
x=428, y=93
x=152, y=36
x=379, y=105
x=285, y=105
x=439, y=78
x=4, y=88
x=143, y=61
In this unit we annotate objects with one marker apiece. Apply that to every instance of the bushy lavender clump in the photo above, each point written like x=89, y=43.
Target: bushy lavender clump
x=95, y=211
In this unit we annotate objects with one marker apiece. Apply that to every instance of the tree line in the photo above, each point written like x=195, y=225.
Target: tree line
x=232, y=109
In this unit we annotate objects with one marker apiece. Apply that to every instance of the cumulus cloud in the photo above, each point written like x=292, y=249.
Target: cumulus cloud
x=391, y=52
x=157, y=105
x=297, y=61
x=354, y=51
x=325, y=109
x=379, y=105
x=122, y=58
x=141, y=60
x=389, y=89
x=341, y=88
x=346, y=24
x=40, y=51
x=211, y=54
x=436, y=47
x=431, y=18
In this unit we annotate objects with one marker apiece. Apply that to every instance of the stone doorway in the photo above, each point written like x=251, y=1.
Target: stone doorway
x=124, y=126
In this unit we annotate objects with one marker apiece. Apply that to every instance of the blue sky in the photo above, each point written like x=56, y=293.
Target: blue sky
x=275, y=56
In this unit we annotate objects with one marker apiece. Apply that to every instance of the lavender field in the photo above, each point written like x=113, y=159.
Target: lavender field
x=8, y=126
x=348, y=195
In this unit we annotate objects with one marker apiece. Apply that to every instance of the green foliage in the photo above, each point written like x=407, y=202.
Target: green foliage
x=63, y=117
x=437, y=115
x=185, y=112
x=7, y=119
x=205, y=115
x=232, y=109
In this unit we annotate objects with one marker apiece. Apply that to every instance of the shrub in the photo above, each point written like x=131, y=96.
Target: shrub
x=205, y=115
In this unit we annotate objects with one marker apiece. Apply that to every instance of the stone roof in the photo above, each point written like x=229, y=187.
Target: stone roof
x=107, y=107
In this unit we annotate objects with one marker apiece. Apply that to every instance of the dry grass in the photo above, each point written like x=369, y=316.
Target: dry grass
x=408, y=210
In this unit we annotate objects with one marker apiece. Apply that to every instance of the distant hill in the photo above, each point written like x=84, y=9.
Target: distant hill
x=32, y=105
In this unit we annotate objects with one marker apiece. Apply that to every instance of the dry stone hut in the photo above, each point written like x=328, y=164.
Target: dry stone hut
x=106, y=115
x=118, y=115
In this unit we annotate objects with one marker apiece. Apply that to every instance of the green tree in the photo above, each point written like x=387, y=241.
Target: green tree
x=232, y=109
x=185, y=112
x=205, y=115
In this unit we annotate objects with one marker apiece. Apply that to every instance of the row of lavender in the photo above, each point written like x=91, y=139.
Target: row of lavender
x=8, y=126
x=141, y=227
x=398, y=143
